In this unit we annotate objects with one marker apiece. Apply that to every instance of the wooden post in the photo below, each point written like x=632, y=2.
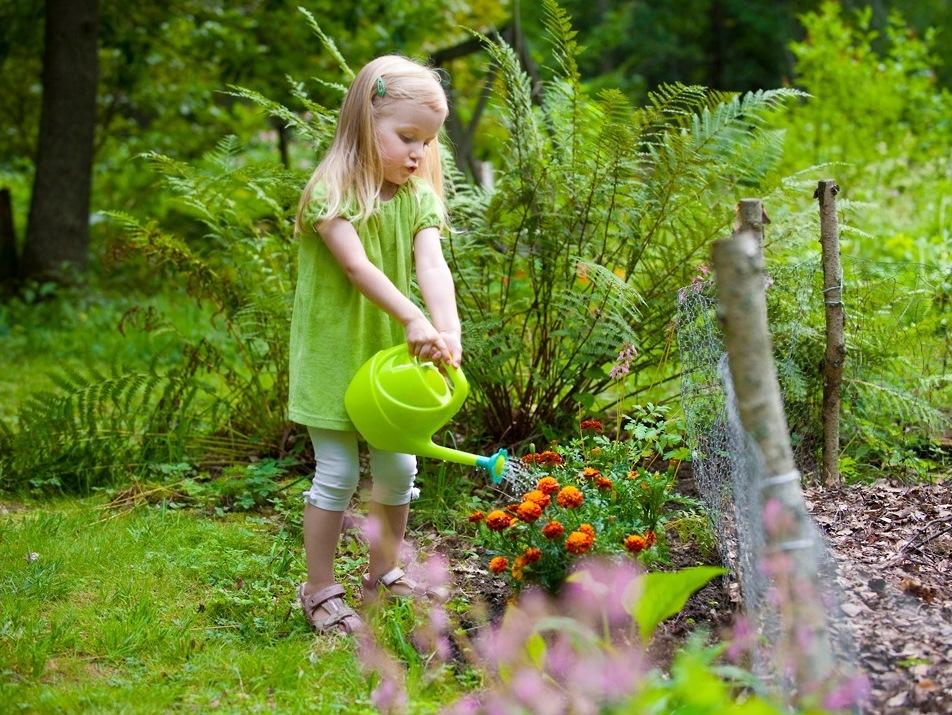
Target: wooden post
x=790, y=546
x=826, y=191
x=750, y=216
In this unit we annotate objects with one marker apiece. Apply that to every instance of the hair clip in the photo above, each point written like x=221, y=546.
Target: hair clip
x=381, y=87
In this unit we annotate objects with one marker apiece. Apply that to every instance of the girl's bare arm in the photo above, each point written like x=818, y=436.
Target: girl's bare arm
x=436, y=285
x=423, y=339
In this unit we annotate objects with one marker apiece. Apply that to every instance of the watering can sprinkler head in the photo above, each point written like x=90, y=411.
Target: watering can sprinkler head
x=495, y=464
x=397, y=403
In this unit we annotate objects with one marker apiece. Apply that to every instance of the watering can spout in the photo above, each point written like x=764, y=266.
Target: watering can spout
x=494, y=464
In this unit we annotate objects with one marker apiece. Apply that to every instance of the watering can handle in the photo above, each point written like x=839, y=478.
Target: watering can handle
x=460, y=386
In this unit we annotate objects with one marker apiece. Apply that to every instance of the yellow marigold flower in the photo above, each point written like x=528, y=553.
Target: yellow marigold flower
x=532, y=554
x=632, y=474
x=529, y=511
x=499, y=564
x=579, y=542
x=553, y=530
x=570, y=497
x=548, y=485
x=498, y=520
x=539, y=497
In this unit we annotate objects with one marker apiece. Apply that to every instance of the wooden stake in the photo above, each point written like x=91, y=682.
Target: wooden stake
x=835, y=341
x=790, y=543
x=750, y=216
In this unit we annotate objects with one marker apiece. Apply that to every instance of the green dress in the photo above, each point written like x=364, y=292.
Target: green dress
x=334, y=328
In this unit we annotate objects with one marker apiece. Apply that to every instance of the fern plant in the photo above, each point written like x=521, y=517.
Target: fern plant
x=602, y=211
x=209, y=401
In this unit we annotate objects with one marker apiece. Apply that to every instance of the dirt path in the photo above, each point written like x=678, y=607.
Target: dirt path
x=893, y=546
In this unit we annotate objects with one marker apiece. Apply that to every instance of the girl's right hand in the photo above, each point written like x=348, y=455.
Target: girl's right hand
x=425, y=342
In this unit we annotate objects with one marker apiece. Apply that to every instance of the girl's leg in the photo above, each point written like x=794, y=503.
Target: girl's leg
x=335, y=480
x=393, y=475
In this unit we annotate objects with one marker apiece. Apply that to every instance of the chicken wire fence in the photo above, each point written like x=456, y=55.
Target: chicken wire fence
x=889, y=307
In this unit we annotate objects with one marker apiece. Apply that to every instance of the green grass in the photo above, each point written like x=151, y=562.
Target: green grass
x=160, y=609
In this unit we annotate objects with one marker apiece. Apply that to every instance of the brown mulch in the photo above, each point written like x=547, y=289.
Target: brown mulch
x=893, y=546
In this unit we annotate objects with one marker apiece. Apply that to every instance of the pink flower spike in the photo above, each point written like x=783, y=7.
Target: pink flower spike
x=853, y=691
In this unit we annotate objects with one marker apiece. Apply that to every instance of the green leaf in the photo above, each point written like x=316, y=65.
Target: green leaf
x=535, y=647
x=663, y=594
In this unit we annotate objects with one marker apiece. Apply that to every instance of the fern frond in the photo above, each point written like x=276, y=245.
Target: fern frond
x=328, y=43
x=561, y=35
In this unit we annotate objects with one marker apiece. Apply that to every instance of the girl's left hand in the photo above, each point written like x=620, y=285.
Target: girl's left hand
x=452, y=340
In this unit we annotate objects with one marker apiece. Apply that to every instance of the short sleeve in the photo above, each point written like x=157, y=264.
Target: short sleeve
x=430, y=211
x=316, y=209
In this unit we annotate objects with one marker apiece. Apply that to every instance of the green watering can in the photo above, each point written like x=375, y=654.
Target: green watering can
x=397, y=403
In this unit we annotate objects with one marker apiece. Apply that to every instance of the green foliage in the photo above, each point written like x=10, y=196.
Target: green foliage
x=664, y=594
x=600, y=213
x=213, y=398
x=620, y=503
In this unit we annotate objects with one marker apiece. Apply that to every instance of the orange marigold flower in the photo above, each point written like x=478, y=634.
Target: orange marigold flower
x=476, y=517
x=511, y=508
x=532, y=554
x=650, y=538
x=498, y=520
x=570, y=497
x=635, y=543
x=553, y=530
x=548, y=485
x=529, y=511
x=530, y=458
x=499, y=564
x=538, y=497
x=591, y=425
x=549, y=459
x=603, y=483
x=590, y=473
x=579, y=542
x=587, y=529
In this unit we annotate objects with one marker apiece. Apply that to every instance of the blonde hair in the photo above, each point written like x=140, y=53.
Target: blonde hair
x=352, y=170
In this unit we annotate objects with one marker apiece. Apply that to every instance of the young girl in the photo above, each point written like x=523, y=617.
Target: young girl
x=372, y=209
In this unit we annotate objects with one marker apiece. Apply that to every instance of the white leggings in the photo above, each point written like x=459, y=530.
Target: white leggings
x=337, y=470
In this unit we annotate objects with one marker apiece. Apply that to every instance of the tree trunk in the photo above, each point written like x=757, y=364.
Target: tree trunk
x=790, y=543
x=58, y=227
x=835, y=341
x=8, y=239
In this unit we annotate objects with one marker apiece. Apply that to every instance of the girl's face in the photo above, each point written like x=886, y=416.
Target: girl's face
x=404, y=131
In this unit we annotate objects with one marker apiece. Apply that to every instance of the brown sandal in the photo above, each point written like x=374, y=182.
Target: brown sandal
x=396, y=577
x=340, y=618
